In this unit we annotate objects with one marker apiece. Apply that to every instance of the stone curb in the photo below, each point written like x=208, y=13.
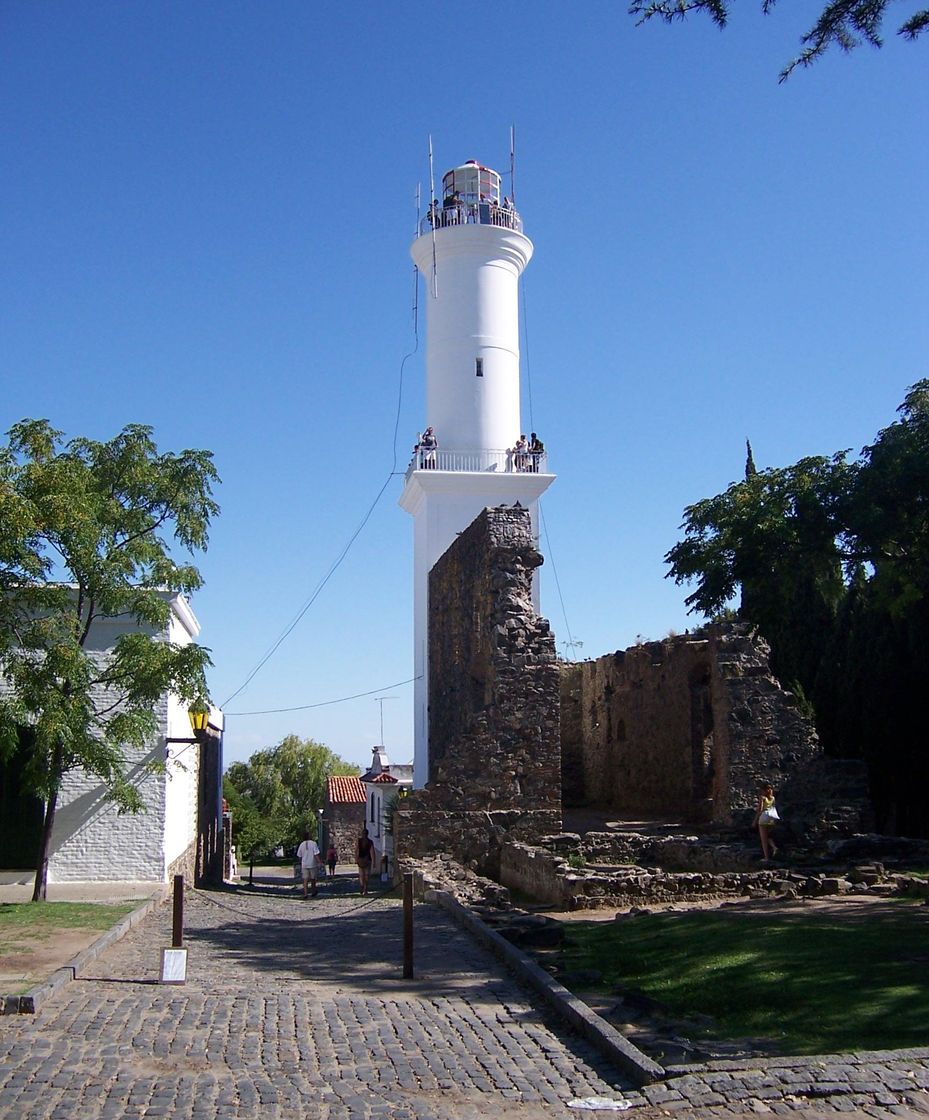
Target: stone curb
x=618, y=1049
x=29, y=1002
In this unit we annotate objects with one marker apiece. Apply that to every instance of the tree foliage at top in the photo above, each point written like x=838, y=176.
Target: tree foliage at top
x=86, y=530
x=832, y=561
x=281, y=787
x=841, y=23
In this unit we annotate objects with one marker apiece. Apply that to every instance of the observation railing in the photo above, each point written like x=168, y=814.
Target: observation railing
x=478, y=462
x=471, y=213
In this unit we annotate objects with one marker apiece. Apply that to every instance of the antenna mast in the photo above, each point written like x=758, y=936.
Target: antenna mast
x=513, y=163
x=435, y=282
x=380, y=700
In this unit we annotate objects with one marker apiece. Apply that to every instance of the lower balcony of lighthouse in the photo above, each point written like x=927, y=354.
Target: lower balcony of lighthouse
x=474, y=478
x=478, y=462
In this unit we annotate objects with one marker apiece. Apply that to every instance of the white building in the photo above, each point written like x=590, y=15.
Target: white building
x=180, y=826
x=471, y=252
x=383, y=784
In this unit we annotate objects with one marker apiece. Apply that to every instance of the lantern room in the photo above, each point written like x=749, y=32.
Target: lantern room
x=471, y=183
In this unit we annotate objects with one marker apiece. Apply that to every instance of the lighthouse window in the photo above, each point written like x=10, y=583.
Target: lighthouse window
x=478, y=367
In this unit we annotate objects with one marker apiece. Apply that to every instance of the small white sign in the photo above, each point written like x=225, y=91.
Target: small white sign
x=173, y=966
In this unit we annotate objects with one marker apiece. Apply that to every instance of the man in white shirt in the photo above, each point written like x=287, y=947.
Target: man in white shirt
x=308, y=854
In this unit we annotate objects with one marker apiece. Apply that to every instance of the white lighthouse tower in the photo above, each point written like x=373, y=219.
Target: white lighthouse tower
x=471, y=251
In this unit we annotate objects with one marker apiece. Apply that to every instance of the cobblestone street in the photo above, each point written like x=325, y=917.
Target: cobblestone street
x=291, y=1009
x=297, y=1009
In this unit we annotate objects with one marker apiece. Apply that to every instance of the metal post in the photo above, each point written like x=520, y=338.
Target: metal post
x=177, y=936
x=408, y=925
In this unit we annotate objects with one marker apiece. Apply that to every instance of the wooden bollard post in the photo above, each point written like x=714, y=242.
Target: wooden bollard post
x=177, y=936
x=408, y=925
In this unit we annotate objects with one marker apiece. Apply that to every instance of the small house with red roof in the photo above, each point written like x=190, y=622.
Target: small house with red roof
x=343, y=816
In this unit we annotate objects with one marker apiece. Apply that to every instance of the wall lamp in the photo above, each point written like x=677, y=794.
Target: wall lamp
x=199, y=716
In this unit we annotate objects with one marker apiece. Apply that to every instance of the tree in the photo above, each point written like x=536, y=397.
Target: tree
x=832, y=561
x=889, y=510
x=841, y=23
x=287, y=784
x=85, y=536
x=255, y=834
x=776, y=538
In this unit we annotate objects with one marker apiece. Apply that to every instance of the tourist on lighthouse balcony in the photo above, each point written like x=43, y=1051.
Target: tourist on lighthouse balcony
x=427, y=447
x=521, y=453
x=536, y=447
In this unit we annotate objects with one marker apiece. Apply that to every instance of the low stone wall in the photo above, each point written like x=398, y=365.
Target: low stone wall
x=476, y=837
x=186, y=865
x=442, y=872
x=670, y=853
x=547, y=876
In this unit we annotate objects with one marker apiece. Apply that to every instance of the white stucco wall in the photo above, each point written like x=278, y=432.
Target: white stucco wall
x=91, y=840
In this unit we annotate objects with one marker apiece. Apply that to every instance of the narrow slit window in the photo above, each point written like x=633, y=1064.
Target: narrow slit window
x=478, y=367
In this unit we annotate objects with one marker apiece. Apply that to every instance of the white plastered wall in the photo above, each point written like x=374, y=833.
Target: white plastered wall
x=91, y=841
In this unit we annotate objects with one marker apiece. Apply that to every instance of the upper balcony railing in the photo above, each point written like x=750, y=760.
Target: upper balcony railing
x=471, y=213
x=478, y=462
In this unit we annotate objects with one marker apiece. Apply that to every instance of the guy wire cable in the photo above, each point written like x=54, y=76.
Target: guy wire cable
x=548, y=542
x=325, y=703
x=338, y=561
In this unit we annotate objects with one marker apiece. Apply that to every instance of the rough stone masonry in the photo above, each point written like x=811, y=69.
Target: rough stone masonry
x=494, y=725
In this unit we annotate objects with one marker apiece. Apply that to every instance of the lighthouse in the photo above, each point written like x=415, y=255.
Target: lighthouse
x=470, y=251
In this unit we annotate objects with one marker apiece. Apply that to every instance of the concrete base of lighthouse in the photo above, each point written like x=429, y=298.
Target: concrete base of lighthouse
x=443, y=504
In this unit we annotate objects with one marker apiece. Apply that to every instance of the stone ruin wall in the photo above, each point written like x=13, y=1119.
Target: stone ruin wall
x=688, y=727
x=628, y=730
x=494, y=684
x=343, y=824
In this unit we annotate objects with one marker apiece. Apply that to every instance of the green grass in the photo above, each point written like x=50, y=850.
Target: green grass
x=22, y=923
x=63, y=915
x=812, y=983
x=28, y=931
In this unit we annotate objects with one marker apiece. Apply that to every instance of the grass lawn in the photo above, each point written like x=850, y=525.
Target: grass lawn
x=30, y=933
x=814, y=982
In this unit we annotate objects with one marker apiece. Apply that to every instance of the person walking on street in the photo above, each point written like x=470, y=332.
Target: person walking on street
x=364, y=857
x=308, y=854
x=331, y=857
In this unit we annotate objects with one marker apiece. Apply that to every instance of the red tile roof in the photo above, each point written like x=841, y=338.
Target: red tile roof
x=346, y=790
x=384, y=777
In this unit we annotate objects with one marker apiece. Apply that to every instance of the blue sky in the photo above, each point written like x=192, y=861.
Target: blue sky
x=205, y=217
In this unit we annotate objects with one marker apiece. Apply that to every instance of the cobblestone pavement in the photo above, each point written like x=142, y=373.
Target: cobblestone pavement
x=297, y=1009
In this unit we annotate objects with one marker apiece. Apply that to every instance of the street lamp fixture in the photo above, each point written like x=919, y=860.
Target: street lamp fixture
x=199, y=715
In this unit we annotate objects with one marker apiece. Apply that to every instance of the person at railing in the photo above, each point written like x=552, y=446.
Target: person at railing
x=451, y=209
x=521, y=453
x=426, y=448
x=433, y=213
x=536, y=450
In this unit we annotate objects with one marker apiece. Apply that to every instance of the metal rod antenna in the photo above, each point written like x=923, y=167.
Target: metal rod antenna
x=435, y=280
x=513, y=163
x=415, y=269
x=380, y=700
